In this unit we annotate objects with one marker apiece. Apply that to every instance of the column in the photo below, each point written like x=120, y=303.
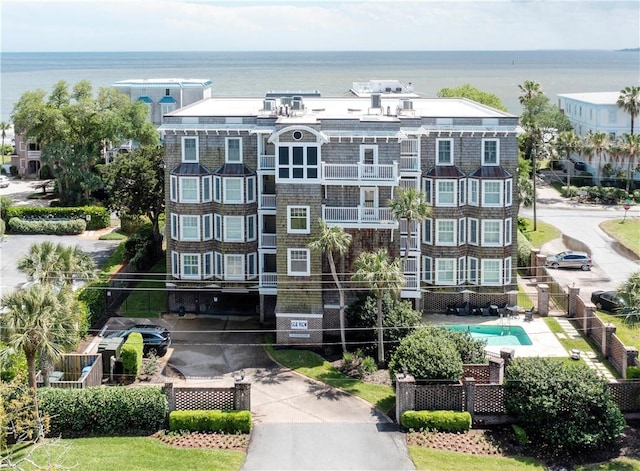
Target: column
x=405, y=394
x=573, y=300
x=242, y=395
x=543, y=299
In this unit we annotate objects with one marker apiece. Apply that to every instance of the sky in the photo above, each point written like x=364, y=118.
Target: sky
x=327, y=25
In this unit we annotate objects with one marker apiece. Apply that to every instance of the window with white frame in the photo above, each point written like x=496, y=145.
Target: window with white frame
x=298, y=262
x=427, y=274
x=234, y=267
x=462, y=191
x=175, y=264
x=252, y=265
x=508, y=192
x=426, y=187
x=492, y=232
x=217, y=189
x=473, y=270
x=462, y=270
x=462, y=231
x=189, y=227
x=444, y=151
x=492, y=193
x=233, y=190
x=369, y=157
x=207, y=227
x=426, y=231
x=206, y=189
x=174, y=226
x=298, y=219
x=251, y=227
x=473, y=192
x=298, y=163
x=446, y=193
x=189, y=189
x=233, y=228
x=251, y=189
x=473, y=231
x=490, y=152
x=233, y=150
x=217, y=227
x=507, y=231
x=445, y=271
x=207, y=269
x=217, y=267
x=173, y=188
x=190, y=266
x=446, y=232
x=491, y=272
x=507, y=270
x=190, y=149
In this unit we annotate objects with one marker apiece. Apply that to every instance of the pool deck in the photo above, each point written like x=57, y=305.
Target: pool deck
x=545, y=343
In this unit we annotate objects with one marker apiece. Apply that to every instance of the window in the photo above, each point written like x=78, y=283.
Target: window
x=252, y=265
x=446, y=271
x=507, y=231
x=427, y=190
x=490, y=152
x=208, y=265
x=234, y=149
x=218, y=265
x=444, y=151
x=508, y=192
x=445, y=232
x=251, y=189
x=189, y=149
x=473, y=231
x=491, y=272
x=206, y=189
x=189, y=190
x=491, y=193
x=426, y=231
x=427, y=275
x=462, y=231
x=462, y=191
x=251, y=227
x=298, y=219
x=173, y=188
x=189, y=227
x=207, y=227
x=298, y=163
x=369, y=159
x=234, y=267
x=491, y=232
x=613, y=116
x=191, y=266
x=233, y=190
x=298, y=262
x=473, y=270
x=507, y=270
x=174, y=226
x=217, y=189
x=175, y=265
x=473, y=192
x=217, y=228
x=234, y=228
x=462, y=270
x=446, y=194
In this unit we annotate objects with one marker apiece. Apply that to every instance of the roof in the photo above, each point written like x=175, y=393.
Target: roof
x=595, y=98
x=490, y=172
x=145, y=99
x=444, y=171
x=189, y=168
x=164, y=83
x=234, y=170
x=167, y=100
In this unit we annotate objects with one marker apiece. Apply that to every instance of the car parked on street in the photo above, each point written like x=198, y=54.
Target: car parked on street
x=156, y=339
x=607, y=300
x=570, y=259
x=4, y=181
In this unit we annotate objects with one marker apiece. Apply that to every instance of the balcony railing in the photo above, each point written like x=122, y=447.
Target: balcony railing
x=414, y=243
x=411, y=282
x=268, y=241
x=268, y=202
x=340, y=174
x=359, y=216
x=268, y=280
x=33, y=154
x=409, y=163
x=267, y=162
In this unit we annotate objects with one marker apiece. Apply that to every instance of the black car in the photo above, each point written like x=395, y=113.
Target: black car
x=156, y=339
x=607, y=300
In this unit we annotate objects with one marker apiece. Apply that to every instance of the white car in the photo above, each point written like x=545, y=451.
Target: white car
x=4, y=181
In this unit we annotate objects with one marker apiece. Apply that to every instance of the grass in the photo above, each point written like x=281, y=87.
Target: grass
x=440, y=460
x=113, y=235
x=128, y=453
x=619, y=464
x=115, y=261
x=314, y=366
x=544, y=233
x=630, y=336
x=624, y=231
x=149, y=298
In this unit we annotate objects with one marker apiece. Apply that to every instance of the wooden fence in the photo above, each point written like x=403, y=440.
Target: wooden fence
x=76, y=371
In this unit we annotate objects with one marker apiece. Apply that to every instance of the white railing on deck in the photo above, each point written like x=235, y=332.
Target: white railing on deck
x=268, y=202
x=357, y=215
x=268, y=241
x=267, y=162
x=268, y=280
x=359, y=172
x=411, y=282
x=413, y=242
x=33, y=154
x=408, y=164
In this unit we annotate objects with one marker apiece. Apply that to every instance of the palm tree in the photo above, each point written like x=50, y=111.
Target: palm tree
x=4, y=127
x=630, y=149
x=375, y=271
x=630, y=292
x=55, y=264
x=39, y=322
x=330, y=241
x=568, y=142
x=529, y=90
x=411, y=205
x=598, y=143
x=629, y=101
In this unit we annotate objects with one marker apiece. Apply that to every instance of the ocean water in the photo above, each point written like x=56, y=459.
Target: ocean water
x=331, y=73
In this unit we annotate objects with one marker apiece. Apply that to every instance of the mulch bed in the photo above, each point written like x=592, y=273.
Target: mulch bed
x=217, y=441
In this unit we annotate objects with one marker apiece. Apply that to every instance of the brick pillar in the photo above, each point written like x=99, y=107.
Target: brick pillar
x=541, y=273
x=513, y=297
x=589, y=313
x=469, y=390
x=405, y=394
x=496, y=370
x=242, y=395
x=573, y=300
x=609, y=330
x=507, y=354
x=543, y=299
x=171, y=396
x=632, y=356
x=533, y=260
x=262, y=309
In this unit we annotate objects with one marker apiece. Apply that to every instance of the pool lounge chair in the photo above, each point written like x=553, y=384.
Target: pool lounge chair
x=528, y=314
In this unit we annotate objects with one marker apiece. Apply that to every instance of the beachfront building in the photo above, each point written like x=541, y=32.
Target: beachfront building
x=248, y=180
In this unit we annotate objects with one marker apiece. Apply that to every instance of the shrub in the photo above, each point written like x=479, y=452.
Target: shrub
x=357, y=364
x=93, y=296
x=524, y=250
x=71, y=227
x=45, y=172
x=633, y=372
x=139, y=249
x=636, y=196
x=440, y=420
x=11, y=365
x=96, y=217
x=565, y=409
x=131, y=354
x=13, y=170
x=569, y=191
x=131, y=224
x=521, y=435
x=236, y=421
x=104, y=410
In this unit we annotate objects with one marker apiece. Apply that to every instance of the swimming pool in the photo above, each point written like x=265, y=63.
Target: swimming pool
x=495, y=335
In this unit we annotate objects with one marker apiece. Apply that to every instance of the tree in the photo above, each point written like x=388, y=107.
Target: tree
x=475, y=94
x=597, y=143
x=630, y=292
x=567, y=142
x=4, y=127
x=525, y=188
x=39, y=322
x=330, y=241
x=136, y=183
x=56, y=264
x=629, y=150
x=379, y=275
x=410, y=204
x=629, y=101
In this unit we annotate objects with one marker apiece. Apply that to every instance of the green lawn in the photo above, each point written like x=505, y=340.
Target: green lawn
x=128, y=453
x=624, y=231
x=544, y=233
x=630, y=336
x=440, y=460
x=149, y=299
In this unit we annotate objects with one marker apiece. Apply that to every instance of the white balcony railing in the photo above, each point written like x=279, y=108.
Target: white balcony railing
x=409, y=163
x=268, y=202
x=413, y=243
x=267, y=162
x=268, y=280
x=339, y=174
x=33, y=154
x=411, y=282
x=359, y=216
x=268, y=241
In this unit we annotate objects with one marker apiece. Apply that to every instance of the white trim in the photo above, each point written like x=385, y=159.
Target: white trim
x=225, y=182
x=507, y=270
x=175, y=264
x=173, y=188
x=472, y=275
x=307, y=272
x=252, y=274
x=484, y=271
x=205, y=225
x=462, y=231
x=181, y=186
x=182, y=265
x=251, y=187
x=499, y=192
x=437, y=271
x=174, y=226
x=307, y=316
x=238, y=257
x=252, y=227
x=227, y=153
x=184, y=225
x=217, y=227
x=508, y=192
x=427, y=231
x=197, y=150
x=473, y=235
x=454, y=229
x=497, y=162
x=226, y=225
x=207, y=196
x=427, y=274
x=438, y=142
x=508, y=228
x=474, y=192
x=453, y=192
x=499, y=232
x=206, y=275
x=307, y=217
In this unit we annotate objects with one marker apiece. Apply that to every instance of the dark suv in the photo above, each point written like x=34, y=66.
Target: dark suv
x=156, y=339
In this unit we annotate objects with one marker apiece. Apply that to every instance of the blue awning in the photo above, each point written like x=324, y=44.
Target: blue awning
x=168, y=100
x=145, y=99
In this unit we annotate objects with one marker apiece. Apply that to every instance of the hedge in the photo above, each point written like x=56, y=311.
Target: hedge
x=93, y=295
x=131, y=354
x=103, y=410
x=71, y=227
x=96, y=217
x=234, y=421
x=441, y=420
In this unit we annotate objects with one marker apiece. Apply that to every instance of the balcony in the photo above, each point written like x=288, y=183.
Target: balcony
x=411, y=289
x=409, y=164
x=267, y=162
x=359, y=173
x=268, y=241
x=268, y=283
x=267, y=202
x=414, y=243
x=33, y=154
x=359, y=217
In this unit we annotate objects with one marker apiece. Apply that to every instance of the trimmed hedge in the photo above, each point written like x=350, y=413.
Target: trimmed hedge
x=96, y=217
x=93, y=295
x=106, y=411
x=441, y=420
x=71, y=227
x=233, y=421
x=131, y=354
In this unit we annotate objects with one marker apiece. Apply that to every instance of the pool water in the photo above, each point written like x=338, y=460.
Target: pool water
x=495, y=335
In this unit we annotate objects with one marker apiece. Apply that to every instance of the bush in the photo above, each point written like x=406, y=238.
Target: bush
x=569, y=191
x=524, y=251
x=93, y=296
x=357, y=365
x=131, y=354
x=11, y=365
x=139, y=249
x=96, y=217
x=236, y=421
x=521, y=435
x=131, y=224
x=565, y=409
x=633, y=372
x=13, y=170
x=104, y=410
x=71, y=227
x=45, y=173
x=440, y=420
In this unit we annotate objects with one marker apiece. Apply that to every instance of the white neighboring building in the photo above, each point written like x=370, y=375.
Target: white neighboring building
x=596, y=111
